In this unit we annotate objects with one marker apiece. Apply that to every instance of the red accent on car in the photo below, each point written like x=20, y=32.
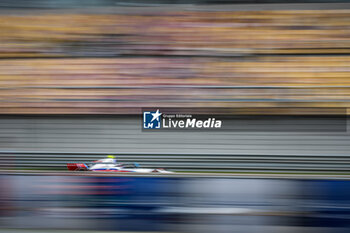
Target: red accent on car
x=76, y=166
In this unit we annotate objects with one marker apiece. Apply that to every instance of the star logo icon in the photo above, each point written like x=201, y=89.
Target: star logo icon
x=151, y=119
x=156, y=115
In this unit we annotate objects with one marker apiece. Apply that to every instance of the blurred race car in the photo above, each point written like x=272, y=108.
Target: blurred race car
x=110, y=164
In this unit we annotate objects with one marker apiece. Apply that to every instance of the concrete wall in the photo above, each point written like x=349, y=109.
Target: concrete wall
x=124, y=135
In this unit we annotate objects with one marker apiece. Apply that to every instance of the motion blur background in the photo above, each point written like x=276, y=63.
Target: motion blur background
x=75, y=75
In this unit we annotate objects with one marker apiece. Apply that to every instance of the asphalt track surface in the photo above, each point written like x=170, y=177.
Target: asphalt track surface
x=177, y=174
x=63, y=231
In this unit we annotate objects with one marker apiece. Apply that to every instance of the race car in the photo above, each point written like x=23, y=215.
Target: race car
x=110, y=164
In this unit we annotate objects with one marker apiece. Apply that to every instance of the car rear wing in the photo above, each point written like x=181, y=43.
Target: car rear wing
x=77, y=167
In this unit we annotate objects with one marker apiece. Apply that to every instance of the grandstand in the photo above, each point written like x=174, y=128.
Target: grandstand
x=93, y=63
